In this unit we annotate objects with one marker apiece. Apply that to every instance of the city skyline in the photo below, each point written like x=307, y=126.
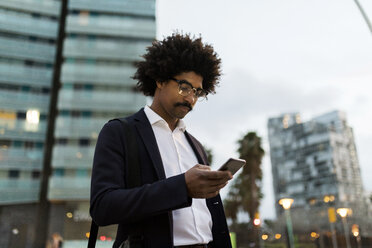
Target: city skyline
x=277, y=58
x=308, y=57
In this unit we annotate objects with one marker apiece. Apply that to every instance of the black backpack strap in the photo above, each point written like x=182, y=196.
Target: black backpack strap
x=133, y=177
x=93, y=235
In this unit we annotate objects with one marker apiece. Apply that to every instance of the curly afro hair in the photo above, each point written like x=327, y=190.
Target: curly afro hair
x=176, y=54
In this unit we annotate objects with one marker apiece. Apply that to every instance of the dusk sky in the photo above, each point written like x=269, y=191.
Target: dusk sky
x=310, y=57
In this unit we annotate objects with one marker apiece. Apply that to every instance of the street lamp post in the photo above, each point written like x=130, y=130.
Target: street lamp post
x=286, y=204
x=329, y=199
x=343, y=212
x=356, y=234
x=257, y=229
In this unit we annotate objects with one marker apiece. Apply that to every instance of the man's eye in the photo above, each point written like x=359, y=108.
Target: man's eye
x=184, y=88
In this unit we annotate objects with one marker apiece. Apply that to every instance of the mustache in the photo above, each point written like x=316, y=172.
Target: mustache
x=186, y=104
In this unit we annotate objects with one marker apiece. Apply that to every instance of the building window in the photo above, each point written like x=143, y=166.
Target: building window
x=14, y=174
x=75, y=113
x=43, y=117
x=86, y=114
x=29, y=62
x=5, y=143
x=35, y=174
x=64, y=113
x=61, y=141
x=84, y=142
x=25, y=88
x=17, y=143
x=39, y=145
x=81, y=173
x=21, y=115
x=59, y=172
x=45, y=90
x=29, y=144
x=88, y=87
x=78, y=87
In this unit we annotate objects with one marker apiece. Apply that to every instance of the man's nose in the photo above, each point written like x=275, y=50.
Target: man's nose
x=190, y=98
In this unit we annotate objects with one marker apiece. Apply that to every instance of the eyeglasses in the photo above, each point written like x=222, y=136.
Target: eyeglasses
x=185, y=89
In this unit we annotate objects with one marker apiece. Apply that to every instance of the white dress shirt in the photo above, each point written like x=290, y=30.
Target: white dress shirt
x=191, y=225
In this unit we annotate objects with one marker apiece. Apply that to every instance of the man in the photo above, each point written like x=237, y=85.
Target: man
x=178, y=204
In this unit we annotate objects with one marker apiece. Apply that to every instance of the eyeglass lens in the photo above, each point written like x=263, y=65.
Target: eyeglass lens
x=186, y=89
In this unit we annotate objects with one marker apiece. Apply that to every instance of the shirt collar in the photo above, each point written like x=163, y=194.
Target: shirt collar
x=155, y=118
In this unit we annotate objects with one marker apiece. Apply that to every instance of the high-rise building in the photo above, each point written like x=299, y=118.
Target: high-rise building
x=103, y=40
x=28, y=33
x=316, y=164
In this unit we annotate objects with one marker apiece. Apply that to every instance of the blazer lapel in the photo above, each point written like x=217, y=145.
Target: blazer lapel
x=144, y=128
x=198, y=150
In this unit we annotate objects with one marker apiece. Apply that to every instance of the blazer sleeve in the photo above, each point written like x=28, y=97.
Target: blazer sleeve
x=111, y=202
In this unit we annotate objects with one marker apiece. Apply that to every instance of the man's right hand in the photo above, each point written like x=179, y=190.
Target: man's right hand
x=201, y=182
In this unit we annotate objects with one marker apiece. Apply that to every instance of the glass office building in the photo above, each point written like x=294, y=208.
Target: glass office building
x=316, y=164
x=103, y=40
x=28, y=32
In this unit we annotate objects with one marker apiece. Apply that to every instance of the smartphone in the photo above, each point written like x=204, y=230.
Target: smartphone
x=232, y=165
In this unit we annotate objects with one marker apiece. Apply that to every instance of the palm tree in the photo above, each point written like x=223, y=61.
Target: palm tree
x=245, y=192
x=209, y=153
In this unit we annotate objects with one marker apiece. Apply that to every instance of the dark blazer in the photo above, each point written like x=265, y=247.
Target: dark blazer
x=145, y=211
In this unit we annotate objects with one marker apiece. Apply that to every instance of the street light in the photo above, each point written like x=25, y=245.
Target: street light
x=278, y=236
x=328, y=198
x=286, y=204
x=343, y=212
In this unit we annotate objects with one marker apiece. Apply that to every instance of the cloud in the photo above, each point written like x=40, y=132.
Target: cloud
x=301, y=56
x=244, y=103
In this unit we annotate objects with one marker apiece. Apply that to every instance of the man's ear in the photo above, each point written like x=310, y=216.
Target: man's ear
x=160, y=84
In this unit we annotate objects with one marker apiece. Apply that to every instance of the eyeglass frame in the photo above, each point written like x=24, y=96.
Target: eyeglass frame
x=183, y=81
